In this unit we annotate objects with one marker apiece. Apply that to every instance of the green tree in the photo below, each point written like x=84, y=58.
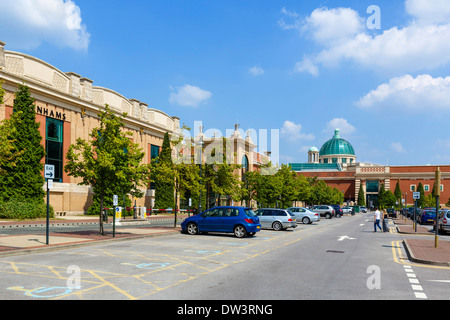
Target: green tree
x=302, y=188
x=430, y=200
x=398, y=193
x=421, y=201
x=164, y=176
x=8, y=155
x=22, y=178
x=109, y=161
x=389, y=198
x=382, y=197
x=361, y=197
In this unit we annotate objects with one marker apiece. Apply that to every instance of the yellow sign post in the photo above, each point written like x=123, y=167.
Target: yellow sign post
x=437, y=192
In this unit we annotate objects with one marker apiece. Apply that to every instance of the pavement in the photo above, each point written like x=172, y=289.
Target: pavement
x=420, y=250
x=423, y=249
x=36, y=241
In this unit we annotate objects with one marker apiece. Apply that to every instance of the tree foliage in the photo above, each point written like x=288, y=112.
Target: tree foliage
x=163, y=175
x=22, y=178
x=361, y=197
x=109, y=162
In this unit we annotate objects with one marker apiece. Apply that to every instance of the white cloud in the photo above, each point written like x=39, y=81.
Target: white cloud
x=307, y=65
x=341, y=33
x=332, y=26
x=342, y=124
x=397, y=147
x=293, y=131
x=189, y=96
x=256, y=71
x=420, y=93
x=429, y=12
x=25, y=24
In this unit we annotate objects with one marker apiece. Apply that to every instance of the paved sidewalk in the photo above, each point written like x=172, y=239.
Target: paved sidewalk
x=36, y=240
x=422, y=250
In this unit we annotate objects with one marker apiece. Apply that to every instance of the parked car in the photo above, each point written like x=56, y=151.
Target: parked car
x=391, y=212
x=409, y=212
x=324, y=211
x=277, y=219
x=362, y=209
x=444, y=221
x=228, y=219
x=304, y=215
x=347, y=209
x=426, y=216
x=337, y=209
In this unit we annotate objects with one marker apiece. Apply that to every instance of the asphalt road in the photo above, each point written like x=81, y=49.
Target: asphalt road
x=337, y=259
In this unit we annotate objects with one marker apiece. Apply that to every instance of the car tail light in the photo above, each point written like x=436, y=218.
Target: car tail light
x=290, y=220
x=445, y=220
x=249, y=221
x=316, y=214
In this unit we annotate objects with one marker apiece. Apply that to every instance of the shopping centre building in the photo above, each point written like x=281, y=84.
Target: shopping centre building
x=336, y=164
x=67, y=108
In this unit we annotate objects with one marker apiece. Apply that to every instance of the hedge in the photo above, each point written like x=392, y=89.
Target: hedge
x=24, y=209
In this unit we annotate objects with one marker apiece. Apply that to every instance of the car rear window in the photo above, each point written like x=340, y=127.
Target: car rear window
x=249, y=213
x=448, y=214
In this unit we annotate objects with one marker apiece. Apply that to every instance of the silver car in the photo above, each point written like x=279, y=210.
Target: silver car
x=444, y=220
x=304, y=215
x=277, y=219
x=325, y=211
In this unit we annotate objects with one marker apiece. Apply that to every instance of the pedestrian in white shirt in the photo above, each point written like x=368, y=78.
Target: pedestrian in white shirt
x=377, y=219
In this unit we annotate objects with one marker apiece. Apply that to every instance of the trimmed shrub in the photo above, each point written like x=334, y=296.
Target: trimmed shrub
x=24, y=209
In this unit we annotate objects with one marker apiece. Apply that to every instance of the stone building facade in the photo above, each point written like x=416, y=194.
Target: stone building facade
x=67, y=108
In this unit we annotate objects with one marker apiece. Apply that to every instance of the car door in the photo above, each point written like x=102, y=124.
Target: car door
x=300, y=214
x=230, y=217
x=266, y=219
x=210, y=221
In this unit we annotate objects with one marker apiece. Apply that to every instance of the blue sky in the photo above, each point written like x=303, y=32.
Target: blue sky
x=301, y=67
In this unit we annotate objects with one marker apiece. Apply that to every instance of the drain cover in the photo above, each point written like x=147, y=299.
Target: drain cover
x=335, y=251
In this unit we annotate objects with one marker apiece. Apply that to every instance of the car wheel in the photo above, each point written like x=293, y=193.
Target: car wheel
x=192, y=228
x=240, y=231
x=328, y=216
x=306, y=220
x=277, y=226
x=338, y=215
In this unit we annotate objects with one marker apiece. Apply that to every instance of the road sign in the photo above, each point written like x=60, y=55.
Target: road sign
x=115, y=200
x=49, y=171
x=416, y=195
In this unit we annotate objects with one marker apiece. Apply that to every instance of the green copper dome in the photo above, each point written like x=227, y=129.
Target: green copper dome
x=337, y=146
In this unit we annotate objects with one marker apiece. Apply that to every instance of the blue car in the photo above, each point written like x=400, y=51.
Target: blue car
x=427, y=216
x=228, y=219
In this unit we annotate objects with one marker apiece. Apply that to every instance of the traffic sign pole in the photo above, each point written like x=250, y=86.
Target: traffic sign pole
x=416, y=196
x=115, y=203
x=48, y=214
x=49, y=173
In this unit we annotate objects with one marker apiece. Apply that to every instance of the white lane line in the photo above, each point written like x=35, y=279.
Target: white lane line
x=415, y=285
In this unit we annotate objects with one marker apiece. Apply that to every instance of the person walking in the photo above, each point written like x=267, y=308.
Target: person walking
x=376, y=220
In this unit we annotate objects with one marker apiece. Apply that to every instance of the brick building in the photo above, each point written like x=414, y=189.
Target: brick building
x=336, y=164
